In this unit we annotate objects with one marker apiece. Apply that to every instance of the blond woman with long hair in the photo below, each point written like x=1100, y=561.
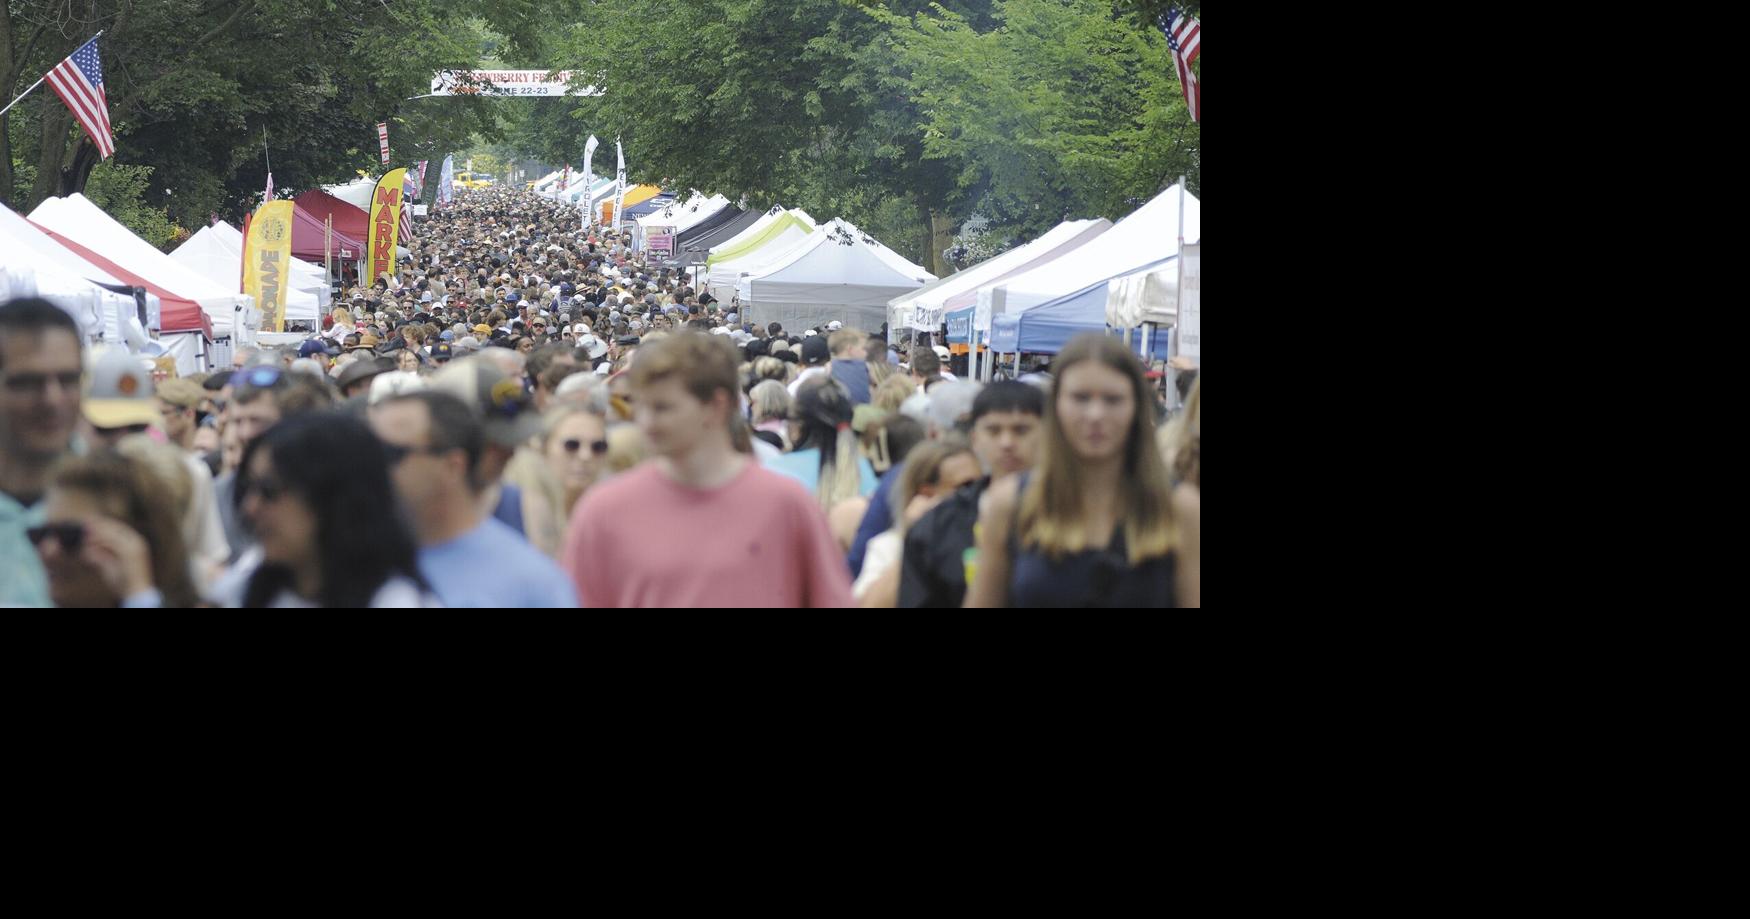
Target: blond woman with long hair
x=1094, y=523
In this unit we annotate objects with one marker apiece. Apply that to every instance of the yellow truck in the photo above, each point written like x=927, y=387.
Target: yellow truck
x=473, y=180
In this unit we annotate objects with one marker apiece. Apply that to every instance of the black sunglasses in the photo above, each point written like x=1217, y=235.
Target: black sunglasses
x=396, y=453
x=598, y=447
x=70, y=535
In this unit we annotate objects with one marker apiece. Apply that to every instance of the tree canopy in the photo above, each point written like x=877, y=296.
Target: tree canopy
x=903, y=116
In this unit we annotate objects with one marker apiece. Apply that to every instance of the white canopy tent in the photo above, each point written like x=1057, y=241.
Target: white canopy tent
x=306, y=276
x=755, y=228
x=726, y=275
x=356, y=193
x=678, y=217
x=34, y=265
x=923, y=308
x=212, y=256
x=1146, y=237
x=548, y=183
x=76, y=218
x=838, y=272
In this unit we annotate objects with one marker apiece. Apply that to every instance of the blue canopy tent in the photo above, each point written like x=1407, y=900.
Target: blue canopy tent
x=1046, y=328
x=960, y=326
x=1005, y=334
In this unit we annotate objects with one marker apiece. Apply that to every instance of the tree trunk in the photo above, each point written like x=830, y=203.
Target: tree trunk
x=941, y=230
x=57, y=124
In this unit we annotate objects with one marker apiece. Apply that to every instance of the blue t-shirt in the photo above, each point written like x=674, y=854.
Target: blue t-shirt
x=22, y=579
x=877, y=519
x=804, y=467
x=491, y=565
x=510, y=509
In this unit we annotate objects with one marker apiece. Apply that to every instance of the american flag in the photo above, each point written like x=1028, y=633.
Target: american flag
x=78, y=80
x=1182, y=37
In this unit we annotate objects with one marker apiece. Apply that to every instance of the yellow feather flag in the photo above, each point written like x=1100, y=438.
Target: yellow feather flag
x=267, y=262
x=386, y=202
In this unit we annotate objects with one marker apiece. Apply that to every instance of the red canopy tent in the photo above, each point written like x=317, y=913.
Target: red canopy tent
x=349, y=220
x=307, y=229
x=176, y=313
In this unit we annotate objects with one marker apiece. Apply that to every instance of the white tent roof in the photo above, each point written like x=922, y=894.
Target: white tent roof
x=33, y=264
x=837, y=272
x=684, y=216
x=309, y=277
x=753, y=229
x=930, y=297
x=1146, y=237
x=356, y=193
x=76, y=218
x=208, y=253
x=725, y=276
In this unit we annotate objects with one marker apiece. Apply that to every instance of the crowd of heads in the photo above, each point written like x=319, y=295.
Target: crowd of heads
x=516, y=347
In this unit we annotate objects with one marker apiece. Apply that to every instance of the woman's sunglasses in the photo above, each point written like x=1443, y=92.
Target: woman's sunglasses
x=70, y=535
x=598, y=447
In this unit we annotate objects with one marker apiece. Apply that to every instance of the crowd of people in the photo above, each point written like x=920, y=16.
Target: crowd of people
x=529, y=414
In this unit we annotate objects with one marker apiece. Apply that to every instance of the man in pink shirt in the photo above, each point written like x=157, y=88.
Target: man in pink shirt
x=699, y=525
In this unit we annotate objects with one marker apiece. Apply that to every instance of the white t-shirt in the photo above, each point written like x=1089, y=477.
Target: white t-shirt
x=396, y=593
x=880, y=555
x=796, y=384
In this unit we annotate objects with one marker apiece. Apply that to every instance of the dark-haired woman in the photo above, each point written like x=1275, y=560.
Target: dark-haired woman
x=311, y=490
x=1093, y=524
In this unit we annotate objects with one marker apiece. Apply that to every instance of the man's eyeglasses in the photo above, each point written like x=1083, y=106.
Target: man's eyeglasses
x=575, y=444
x=70, y=535
x=23, y=383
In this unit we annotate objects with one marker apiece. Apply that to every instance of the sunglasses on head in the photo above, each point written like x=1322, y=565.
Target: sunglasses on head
x=575, y=444
x=263, y=376
x=70, y=535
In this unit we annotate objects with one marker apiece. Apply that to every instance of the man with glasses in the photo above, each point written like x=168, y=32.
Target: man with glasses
x=40, y=370
x=435, y=444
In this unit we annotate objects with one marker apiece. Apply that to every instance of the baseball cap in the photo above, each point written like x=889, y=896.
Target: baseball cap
x=500, y=401
x=442, y=352
x=483, y=329
x=834, y=326
x=312, y=347
x=394, y=383
x=120, y=392
x=942, y=352
x=815, y=351
x=183, y=393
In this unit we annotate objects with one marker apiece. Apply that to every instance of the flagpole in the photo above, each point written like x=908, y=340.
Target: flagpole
x=42, y=77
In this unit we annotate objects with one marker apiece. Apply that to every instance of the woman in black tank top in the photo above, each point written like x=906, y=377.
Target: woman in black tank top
x=1095, y=523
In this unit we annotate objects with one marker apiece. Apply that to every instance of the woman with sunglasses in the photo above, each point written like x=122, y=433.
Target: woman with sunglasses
x=311, y=490
x=112, y=536
x=574, y=451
